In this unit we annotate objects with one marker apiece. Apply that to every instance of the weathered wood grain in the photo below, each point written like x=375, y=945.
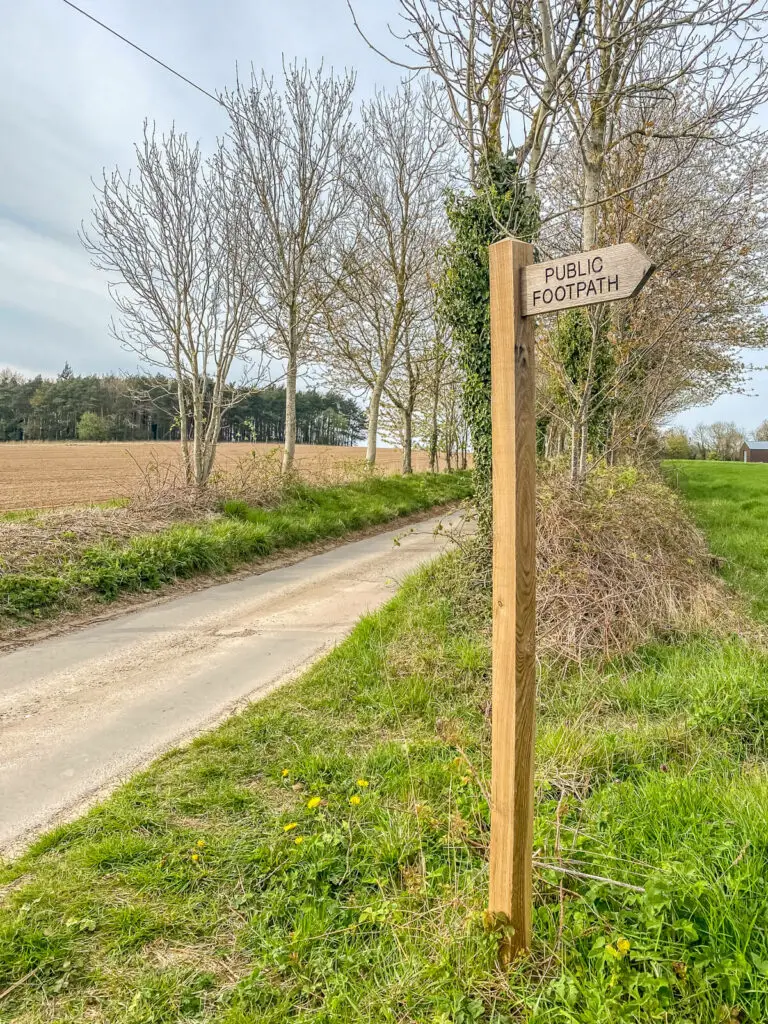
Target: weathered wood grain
x=514, y=586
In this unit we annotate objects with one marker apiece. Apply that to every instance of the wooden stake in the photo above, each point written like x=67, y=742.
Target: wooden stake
x=513, y=416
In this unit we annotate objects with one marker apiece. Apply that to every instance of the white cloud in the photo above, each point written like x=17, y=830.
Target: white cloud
x=76, y=101
x=50, y=279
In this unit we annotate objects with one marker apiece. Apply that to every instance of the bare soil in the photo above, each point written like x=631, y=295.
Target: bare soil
x=54, y=474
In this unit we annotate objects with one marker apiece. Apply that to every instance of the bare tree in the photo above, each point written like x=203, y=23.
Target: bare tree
x=629, y=54
x=292, y=145
x=649, y=90
x=381, y=290
x=476, y=50
x=701, y=439
x=727, y=440
x=404, y=389
x=681, y=341
x=441, y=375
x=175, y=240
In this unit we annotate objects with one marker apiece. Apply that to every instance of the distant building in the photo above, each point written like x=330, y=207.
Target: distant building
x=754, y=451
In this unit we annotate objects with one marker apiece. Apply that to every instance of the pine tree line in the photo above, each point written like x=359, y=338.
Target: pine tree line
x=144, y=408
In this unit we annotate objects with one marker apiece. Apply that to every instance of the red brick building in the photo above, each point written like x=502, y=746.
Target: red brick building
x=755, y=451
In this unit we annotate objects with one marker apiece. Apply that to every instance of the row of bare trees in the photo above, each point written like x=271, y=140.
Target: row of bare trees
x=632, y=120
x=312, y=235
x=309, y=237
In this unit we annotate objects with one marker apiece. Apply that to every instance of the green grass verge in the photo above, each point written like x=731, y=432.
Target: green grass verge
x=322, y=857
x=729, y=501
x=241, y=535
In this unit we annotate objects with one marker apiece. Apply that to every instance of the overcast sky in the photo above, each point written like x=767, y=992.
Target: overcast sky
x=75, y=101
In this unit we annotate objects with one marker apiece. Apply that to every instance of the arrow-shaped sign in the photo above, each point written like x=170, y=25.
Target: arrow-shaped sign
x=600, y=275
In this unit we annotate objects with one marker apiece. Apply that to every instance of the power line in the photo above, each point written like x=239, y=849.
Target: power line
x=157, y=60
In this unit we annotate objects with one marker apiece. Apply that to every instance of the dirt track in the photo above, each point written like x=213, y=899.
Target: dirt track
x=47, y=475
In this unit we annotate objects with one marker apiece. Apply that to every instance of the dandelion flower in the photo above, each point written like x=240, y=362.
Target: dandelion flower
x=313, y=802
x=363, y=783
x=289, y=826
x=354, y=800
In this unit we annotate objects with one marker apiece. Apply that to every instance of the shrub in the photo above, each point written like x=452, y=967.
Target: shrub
x=91, y=427
x=499, y=207
x=618, y=562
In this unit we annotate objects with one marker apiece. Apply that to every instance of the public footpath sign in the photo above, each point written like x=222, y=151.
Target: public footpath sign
x=519, y=290
x=602, y=275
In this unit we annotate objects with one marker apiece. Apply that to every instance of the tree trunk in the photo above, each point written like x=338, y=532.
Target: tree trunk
x=434, y=458
x=575, y=433
x=590, y=216
x=198, y=412
x=373, y=421
x=289, y=450
x=209, y=445
x=407, y=442
x=583, y=447
x=185, y=459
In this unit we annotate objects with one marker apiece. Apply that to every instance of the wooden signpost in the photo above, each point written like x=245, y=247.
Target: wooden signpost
x=519, y=290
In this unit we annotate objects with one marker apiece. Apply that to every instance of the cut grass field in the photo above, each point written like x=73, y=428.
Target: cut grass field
x=51, y=581
x=322, y=857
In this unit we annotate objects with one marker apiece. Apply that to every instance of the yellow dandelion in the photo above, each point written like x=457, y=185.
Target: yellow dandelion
x=313, y=802
x=289, y=826
x=623, y=946
x=286, y=773
x=363, y=783
x=354, y=799
x=298, y=839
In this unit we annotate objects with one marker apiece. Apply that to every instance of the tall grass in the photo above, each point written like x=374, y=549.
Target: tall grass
x=323, y=856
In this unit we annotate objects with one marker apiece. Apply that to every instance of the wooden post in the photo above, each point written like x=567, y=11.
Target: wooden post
x=513, y=416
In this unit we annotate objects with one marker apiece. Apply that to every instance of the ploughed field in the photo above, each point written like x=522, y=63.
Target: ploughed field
x=47, y=475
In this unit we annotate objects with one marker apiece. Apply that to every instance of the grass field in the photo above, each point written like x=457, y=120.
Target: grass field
x=48, y=475
x=729, y=500
x=322, y=857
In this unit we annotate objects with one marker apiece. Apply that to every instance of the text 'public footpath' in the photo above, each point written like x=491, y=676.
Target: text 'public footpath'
x=582, y=278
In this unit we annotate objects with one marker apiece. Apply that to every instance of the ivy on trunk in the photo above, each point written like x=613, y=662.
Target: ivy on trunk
x=498, y=207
